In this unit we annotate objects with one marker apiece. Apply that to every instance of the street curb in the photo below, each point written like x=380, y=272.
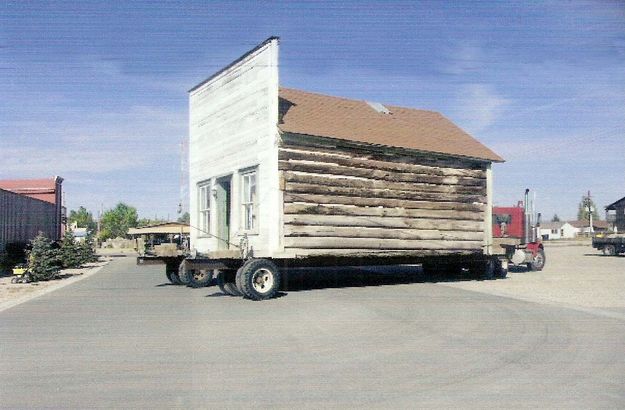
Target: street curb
x=61, y=284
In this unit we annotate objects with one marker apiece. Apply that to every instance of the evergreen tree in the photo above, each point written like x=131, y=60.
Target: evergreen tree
x=87, y=250
x=583, y=207
x=43, y=258
x=70, y=251
x=555, y=218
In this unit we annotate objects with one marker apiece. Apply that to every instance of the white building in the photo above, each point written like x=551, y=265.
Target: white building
x=285, y=173
x=558, y=230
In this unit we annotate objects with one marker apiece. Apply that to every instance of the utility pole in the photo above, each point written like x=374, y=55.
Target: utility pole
x=590, y=210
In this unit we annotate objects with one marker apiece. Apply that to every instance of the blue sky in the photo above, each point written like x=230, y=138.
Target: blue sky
x=96, y=91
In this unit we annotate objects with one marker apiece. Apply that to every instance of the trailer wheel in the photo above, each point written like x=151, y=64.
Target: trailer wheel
x=538, y=263
x=259, y=279
x=199, y=278
x=500, y=271
x=609, y=250
x=183, y=274
x=173, y=277
x=483, y=269
x=226, y=283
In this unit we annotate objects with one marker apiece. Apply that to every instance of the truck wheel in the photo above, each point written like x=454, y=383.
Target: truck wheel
x=183, y=274
x=173, y=277
x=226, y=283
x=259, y=279
x=539, y=261
x=609, y=250
x=500, y=271
x=199, y=278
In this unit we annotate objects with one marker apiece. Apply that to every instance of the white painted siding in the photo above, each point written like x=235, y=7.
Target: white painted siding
x=233, y=127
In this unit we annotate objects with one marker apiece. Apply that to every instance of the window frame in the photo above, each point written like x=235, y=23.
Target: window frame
x=204, y=209
x=247, y=202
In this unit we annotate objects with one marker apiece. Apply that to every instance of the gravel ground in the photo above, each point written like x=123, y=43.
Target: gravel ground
x=12, y=294
x=575, y=276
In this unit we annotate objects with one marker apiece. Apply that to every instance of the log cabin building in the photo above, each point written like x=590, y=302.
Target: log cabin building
x=289, y=173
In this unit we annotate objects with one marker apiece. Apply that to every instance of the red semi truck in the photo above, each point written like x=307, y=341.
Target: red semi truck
x=516, y=229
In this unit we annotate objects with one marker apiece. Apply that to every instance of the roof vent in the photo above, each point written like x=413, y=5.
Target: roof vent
x=378, y=107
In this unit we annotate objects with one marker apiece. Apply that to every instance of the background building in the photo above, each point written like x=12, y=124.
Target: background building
x=28, y=207
x=48, y=190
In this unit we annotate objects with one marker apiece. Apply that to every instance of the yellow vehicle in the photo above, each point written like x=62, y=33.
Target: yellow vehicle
x=21, y=274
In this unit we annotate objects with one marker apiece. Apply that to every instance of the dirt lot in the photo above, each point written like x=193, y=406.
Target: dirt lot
x=575, y=276
x=12, y=294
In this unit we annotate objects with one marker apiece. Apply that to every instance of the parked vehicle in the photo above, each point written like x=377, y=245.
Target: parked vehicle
x=610, y=244
x=517, y=230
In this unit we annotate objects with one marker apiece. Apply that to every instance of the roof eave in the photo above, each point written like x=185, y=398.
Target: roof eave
x=479, y=159
x=238, y=60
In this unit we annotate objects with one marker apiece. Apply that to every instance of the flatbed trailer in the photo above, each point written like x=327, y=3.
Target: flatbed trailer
x=260, y=278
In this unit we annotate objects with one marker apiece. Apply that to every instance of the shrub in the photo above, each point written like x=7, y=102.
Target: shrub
x=43, y=258
x=87, y=250
x=71, y=255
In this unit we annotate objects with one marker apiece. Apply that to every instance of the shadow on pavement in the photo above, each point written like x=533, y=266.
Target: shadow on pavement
x=303, y=279
x=605, y=256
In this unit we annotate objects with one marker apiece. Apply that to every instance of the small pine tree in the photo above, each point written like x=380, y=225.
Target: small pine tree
x=87, y=250
x=43, y=258
x=70, y=251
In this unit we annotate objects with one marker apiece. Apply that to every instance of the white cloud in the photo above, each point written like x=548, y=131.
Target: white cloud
x=478, y=106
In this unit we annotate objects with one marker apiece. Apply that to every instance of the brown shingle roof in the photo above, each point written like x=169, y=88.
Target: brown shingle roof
x=334, y=117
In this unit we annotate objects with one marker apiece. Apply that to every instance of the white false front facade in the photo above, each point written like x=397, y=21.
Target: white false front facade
x=233, y=156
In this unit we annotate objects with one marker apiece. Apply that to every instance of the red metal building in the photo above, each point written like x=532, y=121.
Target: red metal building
x=48, y=190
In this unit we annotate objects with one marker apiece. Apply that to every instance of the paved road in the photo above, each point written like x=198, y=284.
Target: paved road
x=124, y=338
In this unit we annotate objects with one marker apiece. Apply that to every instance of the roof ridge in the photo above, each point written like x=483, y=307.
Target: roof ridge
x=357, y=100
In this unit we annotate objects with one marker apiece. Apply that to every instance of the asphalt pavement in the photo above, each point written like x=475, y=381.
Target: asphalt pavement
x=125, y=338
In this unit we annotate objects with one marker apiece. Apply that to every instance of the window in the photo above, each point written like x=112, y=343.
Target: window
x=502, y=218
x=249, y=200
x=204, y=207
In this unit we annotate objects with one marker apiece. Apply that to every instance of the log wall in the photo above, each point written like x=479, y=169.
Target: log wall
x=343, y=198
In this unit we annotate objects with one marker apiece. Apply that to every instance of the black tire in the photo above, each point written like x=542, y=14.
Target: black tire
x=200, y=278
x=183, y=274
x=609, y=250
x=226, y=283
x=259, y=279
x=539, y=261
x=500, y=271
x=173, y=277
x=483, y=269
x=237, y=279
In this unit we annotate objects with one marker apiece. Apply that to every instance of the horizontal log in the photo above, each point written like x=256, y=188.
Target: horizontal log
x=382, y=193
x=376, y=253
x=319, y=179
x=353, y=160
x=384, y=222
x=340, y=170
x=386, y=153
x=380, y=233
x=384, y=202
x=374, y=243
x=294, y=208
